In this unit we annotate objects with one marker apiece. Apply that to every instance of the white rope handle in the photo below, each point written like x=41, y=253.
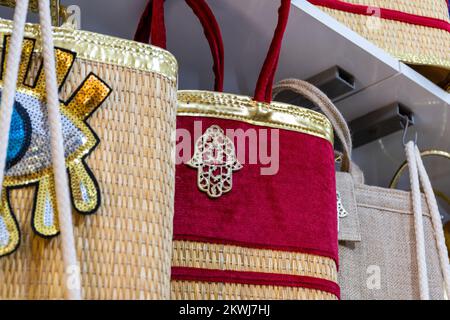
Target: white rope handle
x=418, y=221
x=436, y=221
x=71, y=281
x=71, y=268
x=10, y=82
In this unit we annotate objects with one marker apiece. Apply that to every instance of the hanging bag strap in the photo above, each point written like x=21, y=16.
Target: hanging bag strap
x=263, y=90
x=71, y=278
x=321, y=100
x=436, y=221
x=418, y=221
x=151, y=28
x=418, y=178
x=148, y=29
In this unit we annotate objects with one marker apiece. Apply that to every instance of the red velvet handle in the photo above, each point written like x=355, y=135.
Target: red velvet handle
x=152, y=18
x=151, y=25
x=212, y=32
x=263, y=91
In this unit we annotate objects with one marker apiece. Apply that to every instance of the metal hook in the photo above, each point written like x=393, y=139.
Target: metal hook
x=406, y=125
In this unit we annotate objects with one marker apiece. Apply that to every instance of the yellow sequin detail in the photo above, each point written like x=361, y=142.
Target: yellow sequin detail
x=9, y=231
x=84, y=190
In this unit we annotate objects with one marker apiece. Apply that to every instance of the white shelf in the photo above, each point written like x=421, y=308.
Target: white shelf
x=314, y=42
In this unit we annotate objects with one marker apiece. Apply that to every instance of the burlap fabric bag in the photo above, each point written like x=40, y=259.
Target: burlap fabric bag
x=377, y=233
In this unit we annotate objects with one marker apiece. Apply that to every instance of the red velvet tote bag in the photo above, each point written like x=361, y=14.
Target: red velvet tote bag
x=255, y=200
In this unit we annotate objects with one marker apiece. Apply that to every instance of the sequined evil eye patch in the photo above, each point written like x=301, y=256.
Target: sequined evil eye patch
x=29, y=154
x=19, y=135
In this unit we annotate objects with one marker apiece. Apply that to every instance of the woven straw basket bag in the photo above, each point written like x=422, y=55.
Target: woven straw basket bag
x=252, y=236
x=414, y=31
x=118, y=111
x=238, y=233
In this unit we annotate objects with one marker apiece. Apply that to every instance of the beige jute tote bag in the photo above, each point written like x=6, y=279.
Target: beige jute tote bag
x=391, y=242
x=101, y=150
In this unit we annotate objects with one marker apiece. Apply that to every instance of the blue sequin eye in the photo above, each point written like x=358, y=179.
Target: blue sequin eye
x=19, y=135
x=29, y=139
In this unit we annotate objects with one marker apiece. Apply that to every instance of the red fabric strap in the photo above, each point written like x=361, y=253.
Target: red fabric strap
x=149, y=21
x=254, y=278
x=152, y=24
x=388, y=14
x=263, y=91
x=152, y=27
x=142, y=33
x=214, y=36
x=158, y=25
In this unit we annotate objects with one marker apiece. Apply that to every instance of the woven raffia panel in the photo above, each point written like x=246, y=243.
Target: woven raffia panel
x=234, y=258
x=125, y=248
x=410, y=43
x=209, y=256
x=189, y=290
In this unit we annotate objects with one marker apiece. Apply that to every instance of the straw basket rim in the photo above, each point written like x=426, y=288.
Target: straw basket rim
x=431, y=35
x=97, y=47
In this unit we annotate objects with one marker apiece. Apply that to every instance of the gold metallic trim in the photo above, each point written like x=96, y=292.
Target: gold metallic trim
x=197, y=290
x=234, y=258
x=105, y=49
x=243, y=108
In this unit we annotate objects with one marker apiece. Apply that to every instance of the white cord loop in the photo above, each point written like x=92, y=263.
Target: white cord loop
x=71, y=281
x=10, y=82
x=436, y=221
x=71, y=268
x=419, y=177
x=418, y=221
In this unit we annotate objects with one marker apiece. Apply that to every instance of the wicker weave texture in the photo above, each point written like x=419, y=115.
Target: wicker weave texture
x=209, y=256
x=408, y=42
x=190, y=290
x=125, y=248
x=234, y=258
